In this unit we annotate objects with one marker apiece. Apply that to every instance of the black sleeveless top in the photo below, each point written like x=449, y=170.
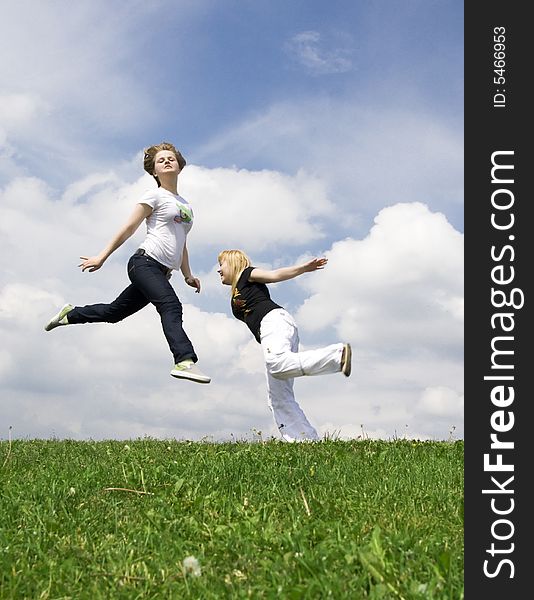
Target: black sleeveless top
x=251, y=302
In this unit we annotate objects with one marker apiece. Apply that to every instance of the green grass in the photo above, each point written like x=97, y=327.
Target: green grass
x=333, y=519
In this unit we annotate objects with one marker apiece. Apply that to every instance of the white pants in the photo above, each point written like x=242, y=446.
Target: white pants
x=279, y=341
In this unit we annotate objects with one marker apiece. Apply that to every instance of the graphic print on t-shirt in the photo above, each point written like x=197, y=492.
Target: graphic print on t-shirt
x=185, y=214
x=239, y=303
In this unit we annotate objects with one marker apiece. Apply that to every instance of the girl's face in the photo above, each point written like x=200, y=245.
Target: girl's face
x=224, y=272
x=165, y=162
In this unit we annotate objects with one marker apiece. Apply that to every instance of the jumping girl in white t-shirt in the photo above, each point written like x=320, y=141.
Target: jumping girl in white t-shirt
x=169, y=219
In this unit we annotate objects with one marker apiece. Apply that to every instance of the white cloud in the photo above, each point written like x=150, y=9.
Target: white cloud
x=366, y=155
x=310, y=50
x=442, y=402
x=19, y=110
x=398, y=291
x=255, y=209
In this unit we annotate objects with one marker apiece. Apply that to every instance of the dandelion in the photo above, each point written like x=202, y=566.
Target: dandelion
x=126, y=447
x=72, y=491
x=238, y=574
x=191, y=566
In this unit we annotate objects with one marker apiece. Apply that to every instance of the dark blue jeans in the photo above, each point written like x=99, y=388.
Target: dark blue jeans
x=149, y=285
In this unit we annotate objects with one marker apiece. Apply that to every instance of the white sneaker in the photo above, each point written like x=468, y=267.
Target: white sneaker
x=187, y=369
x=60, y=318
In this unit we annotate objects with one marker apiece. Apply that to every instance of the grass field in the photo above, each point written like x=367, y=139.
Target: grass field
x=332, y=519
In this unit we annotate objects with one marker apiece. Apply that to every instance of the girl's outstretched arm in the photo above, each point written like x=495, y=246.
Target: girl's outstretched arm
x=139, y=213
x=284, y=273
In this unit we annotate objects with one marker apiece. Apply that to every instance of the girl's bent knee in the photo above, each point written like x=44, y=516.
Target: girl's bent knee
x=277, y=370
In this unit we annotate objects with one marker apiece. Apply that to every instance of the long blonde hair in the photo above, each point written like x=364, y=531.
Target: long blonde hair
x=237, y=260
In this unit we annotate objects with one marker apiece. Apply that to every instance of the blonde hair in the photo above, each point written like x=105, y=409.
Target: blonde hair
x=150, y=157
x=237, y=260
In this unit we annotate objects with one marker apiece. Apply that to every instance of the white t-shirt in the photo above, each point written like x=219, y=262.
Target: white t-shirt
x=167, y=226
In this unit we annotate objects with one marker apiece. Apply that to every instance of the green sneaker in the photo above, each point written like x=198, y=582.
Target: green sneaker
x=60, y=318
x=186, y=369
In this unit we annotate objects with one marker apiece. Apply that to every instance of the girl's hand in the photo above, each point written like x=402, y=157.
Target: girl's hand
x=193, y=282
x=315, y=264
x=91, y=263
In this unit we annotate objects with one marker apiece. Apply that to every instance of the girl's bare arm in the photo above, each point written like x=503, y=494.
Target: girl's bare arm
x=285, y=273
x=139, y=214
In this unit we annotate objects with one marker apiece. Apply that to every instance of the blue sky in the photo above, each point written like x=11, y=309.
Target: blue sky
x=309, y=128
